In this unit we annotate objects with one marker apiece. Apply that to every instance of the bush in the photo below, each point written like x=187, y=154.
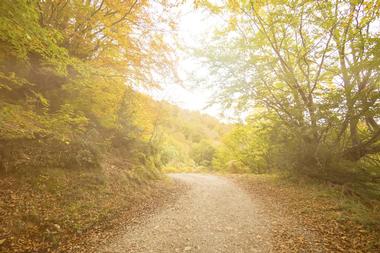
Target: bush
x=203, y=153
x=236, y=167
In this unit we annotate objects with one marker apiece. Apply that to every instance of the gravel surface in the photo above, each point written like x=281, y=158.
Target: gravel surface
x=214, y=215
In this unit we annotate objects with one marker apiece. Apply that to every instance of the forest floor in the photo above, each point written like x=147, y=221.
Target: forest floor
x=55, y=210
x=312, y=217
x=218, y=213
x=243, y=214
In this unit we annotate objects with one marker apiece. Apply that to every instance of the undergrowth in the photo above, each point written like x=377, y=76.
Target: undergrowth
x=42, y=208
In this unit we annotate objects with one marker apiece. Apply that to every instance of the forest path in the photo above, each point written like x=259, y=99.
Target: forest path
x=214, y=215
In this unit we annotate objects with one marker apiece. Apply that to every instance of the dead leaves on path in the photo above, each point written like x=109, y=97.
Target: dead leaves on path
x=160, y=194
x=303, y=221
x=36, y=220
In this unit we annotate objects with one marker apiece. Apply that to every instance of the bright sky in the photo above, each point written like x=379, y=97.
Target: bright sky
x=193, y=25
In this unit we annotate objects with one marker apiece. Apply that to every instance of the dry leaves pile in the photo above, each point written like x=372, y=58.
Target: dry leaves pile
x=306, y=220
x=73, y=210
x=161, y=194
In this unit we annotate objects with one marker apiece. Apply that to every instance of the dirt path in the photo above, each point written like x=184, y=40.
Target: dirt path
x=215, y=215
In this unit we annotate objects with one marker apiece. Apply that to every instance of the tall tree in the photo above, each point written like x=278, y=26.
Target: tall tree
x=312, y=63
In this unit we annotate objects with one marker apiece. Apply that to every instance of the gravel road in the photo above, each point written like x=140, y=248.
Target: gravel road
x=214, y=215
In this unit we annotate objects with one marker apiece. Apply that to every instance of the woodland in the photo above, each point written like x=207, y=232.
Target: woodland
x=76, y=127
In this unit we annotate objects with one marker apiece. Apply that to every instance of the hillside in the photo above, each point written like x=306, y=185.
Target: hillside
x=189, y=138
x=77, y=144
x=65, y=190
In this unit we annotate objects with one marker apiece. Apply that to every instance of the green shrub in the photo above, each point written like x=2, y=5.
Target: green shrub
x=236, y=167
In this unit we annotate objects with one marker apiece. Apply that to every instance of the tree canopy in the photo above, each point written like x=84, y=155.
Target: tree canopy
x=310, y=68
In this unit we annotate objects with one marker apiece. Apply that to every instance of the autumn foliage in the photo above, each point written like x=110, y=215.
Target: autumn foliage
x=308, y=74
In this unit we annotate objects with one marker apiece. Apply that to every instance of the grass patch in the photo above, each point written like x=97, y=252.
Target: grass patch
x=364, y=211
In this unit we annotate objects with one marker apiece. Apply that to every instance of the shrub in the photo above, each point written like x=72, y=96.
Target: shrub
x=236, y=167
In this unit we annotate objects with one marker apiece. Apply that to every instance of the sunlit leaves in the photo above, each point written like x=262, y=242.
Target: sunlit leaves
x=67, y=60
x=311, y=64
